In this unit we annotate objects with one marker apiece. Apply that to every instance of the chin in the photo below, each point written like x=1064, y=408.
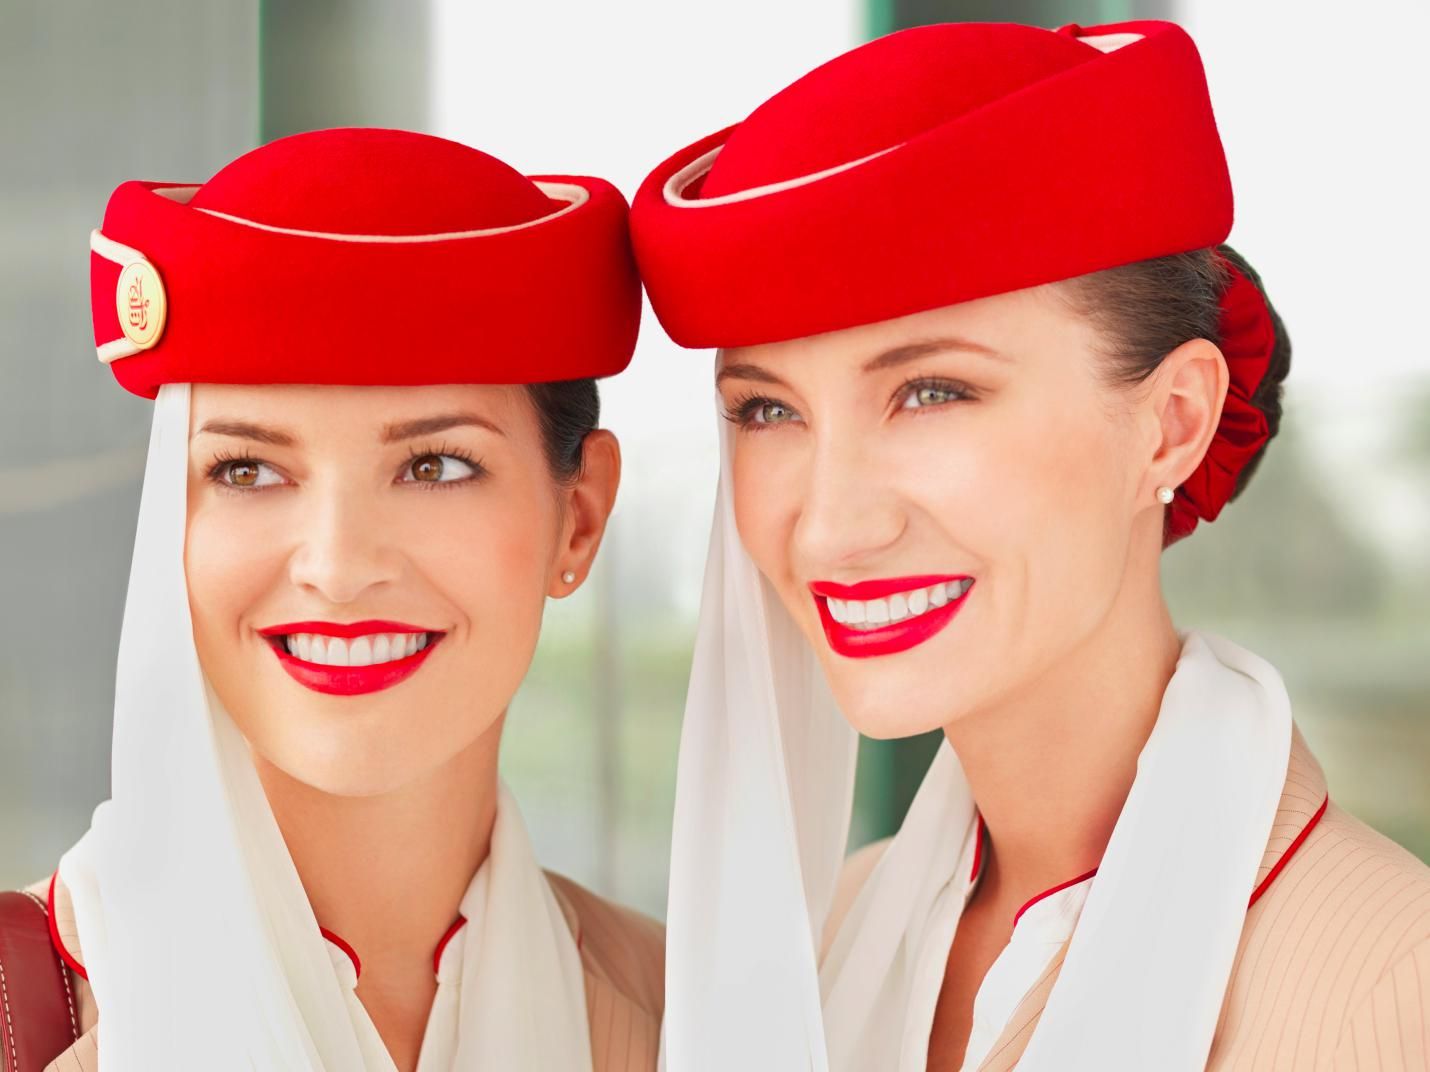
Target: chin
x=886, y=713
x=346, y=772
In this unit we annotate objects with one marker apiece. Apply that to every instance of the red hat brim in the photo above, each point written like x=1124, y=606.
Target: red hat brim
x=967, y=208
x=554, y=298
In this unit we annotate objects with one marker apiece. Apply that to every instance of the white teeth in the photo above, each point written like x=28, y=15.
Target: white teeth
x=366, y=650
x=873, y=613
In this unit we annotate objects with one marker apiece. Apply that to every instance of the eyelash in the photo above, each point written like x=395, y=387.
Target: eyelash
x=741, y=411
x=226, y=458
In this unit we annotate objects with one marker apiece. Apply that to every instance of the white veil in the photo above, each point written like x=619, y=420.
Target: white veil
x=198, y=939
x=763, y=799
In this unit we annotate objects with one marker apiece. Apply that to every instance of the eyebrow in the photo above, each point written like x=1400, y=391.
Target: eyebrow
x=892, y=358
x=393, y=432
x=902, y=355
x=248, y=430
x=420, y=426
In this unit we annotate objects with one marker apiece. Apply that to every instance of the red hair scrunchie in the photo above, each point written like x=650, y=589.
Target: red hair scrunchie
x=1247, y=339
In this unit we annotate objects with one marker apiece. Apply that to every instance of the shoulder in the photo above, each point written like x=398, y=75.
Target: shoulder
x=1335, y=948
x=856, y=870
x=624, y=947
x=1349, y=879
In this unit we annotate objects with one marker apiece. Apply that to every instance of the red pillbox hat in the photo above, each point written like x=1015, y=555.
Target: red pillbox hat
x=949, y=162
x=364, y=256
x=932, y=166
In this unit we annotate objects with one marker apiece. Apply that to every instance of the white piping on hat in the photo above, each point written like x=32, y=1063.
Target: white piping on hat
x=123, y=256
x=675, y=185
x=111, y=250
x=115, y=349
x=674, y=188
x=575, y=195
x=1110, y=42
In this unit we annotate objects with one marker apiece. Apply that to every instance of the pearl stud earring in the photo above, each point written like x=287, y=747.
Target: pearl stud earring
x=568, y=577
x=1165, y=494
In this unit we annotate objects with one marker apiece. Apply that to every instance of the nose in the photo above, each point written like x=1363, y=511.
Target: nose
x=342, y=550
x=848, y=514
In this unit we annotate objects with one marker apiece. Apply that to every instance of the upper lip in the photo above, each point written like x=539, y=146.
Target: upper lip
x=345, y=629
x=880, y=586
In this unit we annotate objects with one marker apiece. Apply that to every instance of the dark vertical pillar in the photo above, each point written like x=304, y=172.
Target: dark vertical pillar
x=332, y=63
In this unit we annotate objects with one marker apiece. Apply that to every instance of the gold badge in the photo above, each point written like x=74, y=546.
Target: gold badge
x=141, y=304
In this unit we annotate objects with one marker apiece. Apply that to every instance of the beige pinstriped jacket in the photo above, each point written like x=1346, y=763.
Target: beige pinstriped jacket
x=1333, y=970
x=622, y=951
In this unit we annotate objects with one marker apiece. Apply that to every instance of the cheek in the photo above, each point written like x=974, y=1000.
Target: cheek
x=228, y=566
x=495, y=563
x=766, y=481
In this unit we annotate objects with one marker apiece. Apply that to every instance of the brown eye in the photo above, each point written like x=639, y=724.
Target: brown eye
x=428, y=467
x=440, y=469
x=242, y=474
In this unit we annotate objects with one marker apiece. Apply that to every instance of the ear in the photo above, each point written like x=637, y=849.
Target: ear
x=1187, y=402
x=588, y=507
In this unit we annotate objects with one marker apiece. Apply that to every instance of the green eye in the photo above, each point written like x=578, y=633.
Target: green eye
x=923, y=395
x=772, y=413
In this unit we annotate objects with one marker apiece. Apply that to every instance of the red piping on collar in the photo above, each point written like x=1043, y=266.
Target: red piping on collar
x=1295, y=844
x=457, y=925
x=64, y=953
x=349, y=950
x=977, y=849
x=1049, y=893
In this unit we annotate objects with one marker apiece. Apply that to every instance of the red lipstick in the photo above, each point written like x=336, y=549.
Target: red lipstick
x=894, y=636
x=348, y=680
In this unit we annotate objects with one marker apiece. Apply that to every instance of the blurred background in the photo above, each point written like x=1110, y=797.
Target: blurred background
x=1323, y=567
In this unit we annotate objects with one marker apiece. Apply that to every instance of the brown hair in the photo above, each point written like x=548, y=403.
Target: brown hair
x=1146, y=309
x=567, y=410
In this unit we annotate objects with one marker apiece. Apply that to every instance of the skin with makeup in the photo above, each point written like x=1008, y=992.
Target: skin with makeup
x=918, y=462
x=367, y=569
x=985, y=355
x=374, y=358
x=956, y=497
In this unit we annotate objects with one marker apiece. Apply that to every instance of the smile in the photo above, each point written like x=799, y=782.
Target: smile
x=887, y=616
x=347, y=659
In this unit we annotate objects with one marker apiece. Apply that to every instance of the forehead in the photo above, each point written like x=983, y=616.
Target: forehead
x=318, y=409
x=1016, y=326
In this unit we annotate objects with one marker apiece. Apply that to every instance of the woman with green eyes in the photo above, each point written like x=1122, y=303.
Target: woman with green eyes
x=982, y=356
x=374, y=457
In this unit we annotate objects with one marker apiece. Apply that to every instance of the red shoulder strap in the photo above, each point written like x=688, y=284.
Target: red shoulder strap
x=37, y=1015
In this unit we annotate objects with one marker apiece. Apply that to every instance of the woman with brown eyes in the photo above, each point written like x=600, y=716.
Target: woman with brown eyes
x=374, y=457
x=983, y=355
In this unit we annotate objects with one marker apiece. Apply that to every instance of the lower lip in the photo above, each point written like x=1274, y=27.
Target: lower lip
x=351, y=680
x=887, y=639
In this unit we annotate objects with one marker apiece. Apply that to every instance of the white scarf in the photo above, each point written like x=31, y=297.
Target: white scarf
x=199, y=941
x=763, y=799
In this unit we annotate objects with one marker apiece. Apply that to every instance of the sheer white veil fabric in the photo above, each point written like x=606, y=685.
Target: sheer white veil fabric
x=198, y=938
x=763, y=799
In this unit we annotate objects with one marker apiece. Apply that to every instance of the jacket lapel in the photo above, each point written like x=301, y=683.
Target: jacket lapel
x=1302, y=797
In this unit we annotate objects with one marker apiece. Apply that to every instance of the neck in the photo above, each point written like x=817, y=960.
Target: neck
x=387, y=872
x=1050, y=768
